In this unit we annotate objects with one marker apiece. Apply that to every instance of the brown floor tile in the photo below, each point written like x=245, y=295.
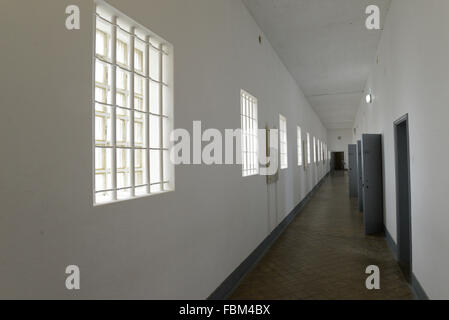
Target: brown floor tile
x=323, y=254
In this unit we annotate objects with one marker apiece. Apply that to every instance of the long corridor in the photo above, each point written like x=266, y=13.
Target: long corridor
x=324, y=253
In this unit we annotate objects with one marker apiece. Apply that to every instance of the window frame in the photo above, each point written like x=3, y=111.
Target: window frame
x=249, y=125
x=283, y=142
x=130, y=157
x=321, y=152
x=309, y=155
x=299, y=145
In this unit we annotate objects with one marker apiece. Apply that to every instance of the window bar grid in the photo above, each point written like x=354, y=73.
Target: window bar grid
x=116, y=25
x=309, y=157
x=129, y=148
x=125, y=108
x=319, y=151
x=245, y=132
x=245, y=119
x=247, y=163
x=253, y=147
x=147, y=108
x=248, y=116
x=250, y=138
x=127, y=188
x=132, y=104
x=248, y=132
x=128, y=157
x=250, y=135
x=283, y=142
x=253, y=138
x=242, y=119
x=94, y=154
x=129, y=70
x=161, y=119
x=114, y=110
x=299, y=137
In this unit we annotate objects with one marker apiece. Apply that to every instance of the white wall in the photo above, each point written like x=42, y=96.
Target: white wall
x=177, y=245
x=413, y=77
x=340, y=145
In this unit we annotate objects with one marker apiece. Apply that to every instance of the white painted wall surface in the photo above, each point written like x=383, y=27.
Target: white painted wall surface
x=412, y=77
x=177, y=245
x=340, y=145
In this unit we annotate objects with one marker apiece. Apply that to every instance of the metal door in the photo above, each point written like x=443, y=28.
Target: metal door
x=372, y=183
x=352, y=163
x=359, y=174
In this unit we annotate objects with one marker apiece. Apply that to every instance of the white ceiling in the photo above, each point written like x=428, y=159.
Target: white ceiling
x=326, y=47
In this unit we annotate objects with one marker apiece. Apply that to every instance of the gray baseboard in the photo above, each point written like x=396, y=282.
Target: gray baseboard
x=418, y=290
x=391, y=244
x=416, y=287
x=233, y=280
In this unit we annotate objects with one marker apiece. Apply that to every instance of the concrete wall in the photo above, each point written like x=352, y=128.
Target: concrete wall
x=177, y=245
x=412, y=76
x=340, y=145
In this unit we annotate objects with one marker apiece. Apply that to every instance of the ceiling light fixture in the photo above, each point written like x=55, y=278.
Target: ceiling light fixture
x=369, y=98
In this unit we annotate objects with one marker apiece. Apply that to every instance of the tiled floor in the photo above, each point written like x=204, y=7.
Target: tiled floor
x=323, y=254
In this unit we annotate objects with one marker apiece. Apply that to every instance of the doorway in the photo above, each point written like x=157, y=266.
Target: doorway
x=403, y=198
x=373, y=195
x=352, y=164
x=360, y=174
x=339, y=161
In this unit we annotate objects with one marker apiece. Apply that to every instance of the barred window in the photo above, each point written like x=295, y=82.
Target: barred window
x=283, y=147
x=133, y=108
x=308, y=149
x=248, y=116
x=319, y=150
x=299, y=137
